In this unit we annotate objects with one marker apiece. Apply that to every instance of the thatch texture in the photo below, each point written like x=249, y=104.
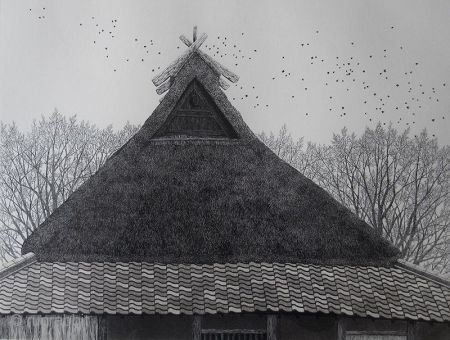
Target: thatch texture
x=203, y=201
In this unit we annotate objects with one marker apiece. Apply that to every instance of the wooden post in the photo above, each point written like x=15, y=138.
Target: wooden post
x=197, y=327
x=272, y=327
x=340, y=329
x=102, y=332
x=410, y=330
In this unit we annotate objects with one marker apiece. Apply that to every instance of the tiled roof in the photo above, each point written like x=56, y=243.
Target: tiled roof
x=147, y=288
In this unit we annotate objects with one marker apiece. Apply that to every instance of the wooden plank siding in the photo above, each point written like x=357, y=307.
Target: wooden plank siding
x=102, y=331
x=411, y=330
x=272, y=327
x=197, y=327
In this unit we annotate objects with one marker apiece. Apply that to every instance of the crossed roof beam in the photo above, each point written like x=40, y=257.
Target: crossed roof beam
x=164, y=80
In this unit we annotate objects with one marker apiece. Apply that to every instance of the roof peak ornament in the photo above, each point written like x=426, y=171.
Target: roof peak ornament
x=194, y=34
x=164, y=80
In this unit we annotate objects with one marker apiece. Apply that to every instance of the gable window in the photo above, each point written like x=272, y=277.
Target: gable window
x=196, y=115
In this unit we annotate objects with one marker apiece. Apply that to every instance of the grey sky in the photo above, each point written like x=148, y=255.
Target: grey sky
x=48, y=59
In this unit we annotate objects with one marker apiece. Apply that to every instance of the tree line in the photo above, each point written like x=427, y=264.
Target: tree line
x=398, y=183
x=41, y=167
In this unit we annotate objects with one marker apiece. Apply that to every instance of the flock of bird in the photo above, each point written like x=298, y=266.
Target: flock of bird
x=237, y=55
x=39, y=13
x=382, y=90
x=104, y=38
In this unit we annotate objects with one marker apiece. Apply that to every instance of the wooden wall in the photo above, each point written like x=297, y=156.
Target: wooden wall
x=149, y=327
x=292, y=327
x=413, y=330
x=288, y=327
x=436, y=331
x=51, y=327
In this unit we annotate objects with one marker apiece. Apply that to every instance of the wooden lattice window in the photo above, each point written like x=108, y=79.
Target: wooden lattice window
x=374, y=335
x=233, y=334
x=196, y=115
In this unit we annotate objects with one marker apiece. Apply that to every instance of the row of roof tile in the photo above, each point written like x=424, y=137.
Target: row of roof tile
x=146, y=288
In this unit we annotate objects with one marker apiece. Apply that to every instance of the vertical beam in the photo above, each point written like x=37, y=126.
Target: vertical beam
x=410, y=330
x=340, y=329
x=197, y=327
x=194, y=35
x=102, y=331
x=272, y=327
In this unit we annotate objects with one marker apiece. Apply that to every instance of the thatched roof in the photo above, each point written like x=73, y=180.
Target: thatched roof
x=178, y=197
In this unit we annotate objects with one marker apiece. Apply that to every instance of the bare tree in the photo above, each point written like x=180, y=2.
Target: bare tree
x=39, y=169
x=420, y=219
x=302, y=157
x=396, y=183
x=365, y=173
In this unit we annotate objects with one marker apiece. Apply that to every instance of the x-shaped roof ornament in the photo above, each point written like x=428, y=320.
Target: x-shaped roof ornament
x=164, y=80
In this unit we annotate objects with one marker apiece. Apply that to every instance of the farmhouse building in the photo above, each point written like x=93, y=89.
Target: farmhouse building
x=194, y=229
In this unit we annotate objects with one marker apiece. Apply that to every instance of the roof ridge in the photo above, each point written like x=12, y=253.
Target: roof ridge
x=164, y=79
x=426, y=273
x=17, y=264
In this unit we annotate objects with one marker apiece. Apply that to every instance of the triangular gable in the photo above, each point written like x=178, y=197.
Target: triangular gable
x=222, y=119
x=196, y=115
